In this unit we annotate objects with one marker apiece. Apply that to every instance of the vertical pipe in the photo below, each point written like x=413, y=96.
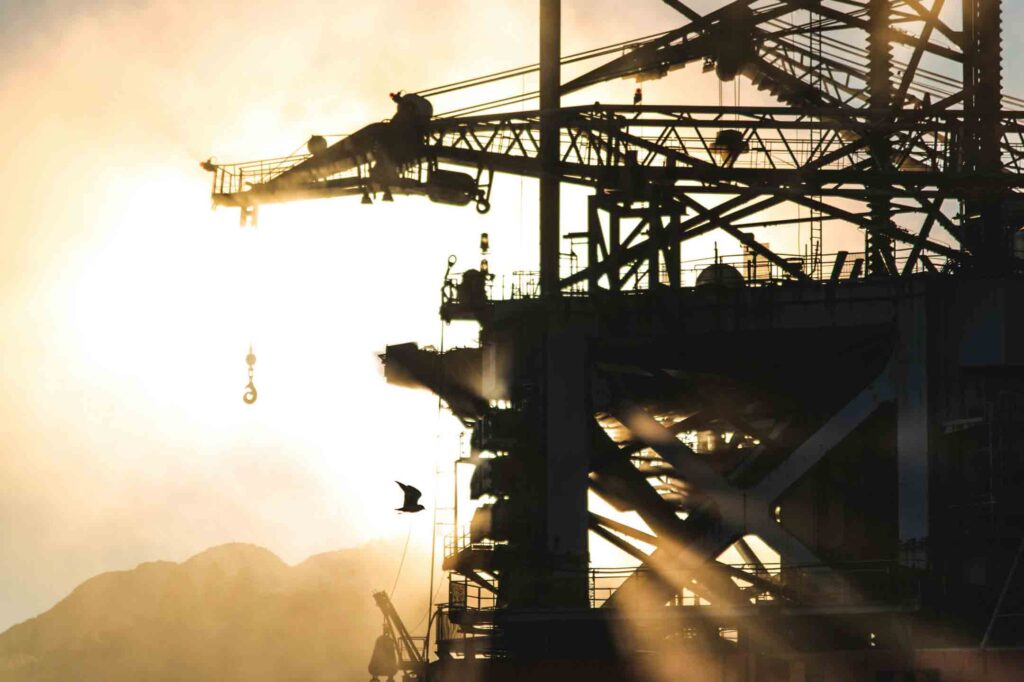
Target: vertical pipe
x=595, y=236
x=615, y=251
x=655, y=230
x=550, y=101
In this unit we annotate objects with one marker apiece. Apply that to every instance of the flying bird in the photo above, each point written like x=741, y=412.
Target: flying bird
x=411, y=503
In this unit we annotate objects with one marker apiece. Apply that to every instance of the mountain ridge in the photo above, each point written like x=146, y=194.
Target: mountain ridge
x=233, y=611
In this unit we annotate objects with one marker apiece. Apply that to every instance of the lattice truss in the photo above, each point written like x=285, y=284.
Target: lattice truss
x=889, y=120
x=864, y=136
x=704, y=474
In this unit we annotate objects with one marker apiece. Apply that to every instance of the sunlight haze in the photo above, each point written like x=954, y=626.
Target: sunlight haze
x=128, y=305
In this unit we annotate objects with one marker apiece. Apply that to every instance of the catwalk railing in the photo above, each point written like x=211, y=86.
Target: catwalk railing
x=751, y=271
x=850, y=584
x=469, y=624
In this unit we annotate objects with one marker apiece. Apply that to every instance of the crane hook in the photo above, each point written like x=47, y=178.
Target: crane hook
x=250, y=389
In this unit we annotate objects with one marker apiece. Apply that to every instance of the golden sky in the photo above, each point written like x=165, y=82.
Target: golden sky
x=126, y=305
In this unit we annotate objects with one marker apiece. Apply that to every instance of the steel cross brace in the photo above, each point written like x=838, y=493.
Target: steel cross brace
x=740, y=511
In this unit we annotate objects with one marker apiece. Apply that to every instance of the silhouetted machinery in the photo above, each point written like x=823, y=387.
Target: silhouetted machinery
x=816, y=463
x=395, y=649
x=384, y=660
x=383, y=158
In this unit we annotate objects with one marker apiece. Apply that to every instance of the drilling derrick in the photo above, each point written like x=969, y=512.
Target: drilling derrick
x=815, y=467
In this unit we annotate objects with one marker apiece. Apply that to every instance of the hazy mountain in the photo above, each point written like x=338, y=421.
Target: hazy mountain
x=234, y=612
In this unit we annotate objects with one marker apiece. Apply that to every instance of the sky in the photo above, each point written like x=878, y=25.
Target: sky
x=127, y=305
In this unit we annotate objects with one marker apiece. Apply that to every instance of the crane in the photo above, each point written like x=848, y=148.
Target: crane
x=849, y=144
x=408, y=657
x=922, y=153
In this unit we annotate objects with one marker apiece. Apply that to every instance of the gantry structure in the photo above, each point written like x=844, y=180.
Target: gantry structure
x=822, y=455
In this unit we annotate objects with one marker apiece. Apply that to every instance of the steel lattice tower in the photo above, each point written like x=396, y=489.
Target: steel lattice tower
x=812, y=472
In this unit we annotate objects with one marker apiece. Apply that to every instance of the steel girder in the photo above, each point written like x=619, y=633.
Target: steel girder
x=720, y=510
x=855, y=139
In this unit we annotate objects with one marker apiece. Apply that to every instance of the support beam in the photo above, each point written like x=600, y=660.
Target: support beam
x=831, y=433
x=879, y=248
x=481, y=581
x=910, y=72
x=710, y=219
x=618, y=542
x=913, y=432
x=748, y=555
x=683, y=9
x=623, y=528
x=893, y=231
x=922, y=237
x=932, y=19
x=550, y=102
x=620, y=483
x=735, y=511
x=567, y=445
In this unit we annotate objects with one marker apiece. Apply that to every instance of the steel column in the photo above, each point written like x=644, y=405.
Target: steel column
x=912, y=423
x=550, y=101
x=879, y=247
x=567, y=446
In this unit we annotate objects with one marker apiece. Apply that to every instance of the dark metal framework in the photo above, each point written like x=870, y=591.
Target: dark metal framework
x=888, y=147
x=605, y=390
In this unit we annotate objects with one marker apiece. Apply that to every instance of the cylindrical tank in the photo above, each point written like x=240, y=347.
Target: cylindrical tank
x=722, y=276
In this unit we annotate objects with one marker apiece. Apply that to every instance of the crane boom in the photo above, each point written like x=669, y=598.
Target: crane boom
x=827, y=147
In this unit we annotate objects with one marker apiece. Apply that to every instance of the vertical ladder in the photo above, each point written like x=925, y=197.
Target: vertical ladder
x=815, y=268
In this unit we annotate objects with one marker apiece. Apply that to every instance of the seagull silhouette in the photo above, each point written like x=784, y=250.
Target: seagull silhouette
x=412, y=499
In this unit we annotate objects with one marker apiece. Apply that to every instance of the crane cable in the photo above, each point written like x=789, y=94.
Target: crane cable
x=401, y=563
x=433, y=525
x=408, y=535
x=592, y=53
x=523, y=71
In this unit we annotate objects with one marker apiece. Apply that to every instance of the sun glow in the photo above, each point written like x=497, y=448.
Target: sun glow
x=163, y=305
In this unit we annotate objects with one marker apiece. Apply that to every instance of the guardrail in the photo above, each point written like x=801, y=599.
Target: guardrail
x=847, y=585
x=465, y=625
x=455, y=543
x=753, y=271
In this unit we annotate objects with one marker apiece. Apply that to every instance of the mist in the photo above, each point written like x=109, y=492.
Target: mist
x=127, y=306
